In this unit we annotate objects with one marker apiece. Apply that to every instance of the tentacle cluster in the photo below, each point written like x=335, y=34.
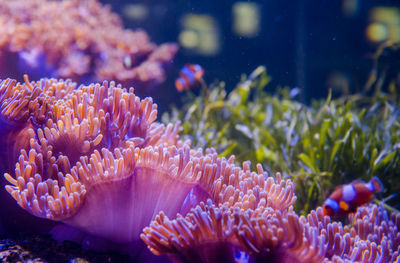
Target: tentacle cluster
x=94, y=137
x=371, y=236
x=95, y=158
x=23, y=106
x=257, y=220
x=81, y=40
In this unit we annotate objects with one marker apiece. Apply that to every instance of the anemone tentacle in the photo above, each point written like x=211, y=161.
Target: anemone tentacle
x=94, y=157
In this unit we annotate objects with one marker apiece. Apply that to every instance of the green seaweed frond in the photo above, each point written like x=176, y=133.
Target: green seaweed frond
x=331, y=142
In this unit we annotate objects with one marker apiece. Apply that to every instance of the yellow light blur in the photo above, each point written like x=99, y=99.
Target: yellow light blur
x=246, y=19
x=200, y=33
x=387, y=15
x=135, y=11
x=188, y=39
x=377, y=32
x=384, y=25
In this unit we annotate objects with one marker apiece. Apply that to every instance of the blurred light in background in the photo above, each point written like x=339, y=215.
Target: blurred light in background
x=200, y=34
x=246, y=19
x=136, y=12
x=377, y=32
x=384, y=25
x=350, y=7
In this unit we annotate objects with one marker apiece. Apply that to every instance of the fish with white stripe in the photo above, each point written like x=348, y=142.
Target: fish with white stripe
x=346, y=198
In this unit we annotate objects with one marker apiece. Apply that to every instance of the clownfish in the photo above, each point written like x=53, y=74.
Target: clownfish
x=133, y=60
x=346, y=198
x=189, y=76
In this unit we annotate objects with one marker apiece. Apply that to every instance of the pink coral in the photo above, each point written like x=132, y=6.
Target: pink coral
x=81, y=40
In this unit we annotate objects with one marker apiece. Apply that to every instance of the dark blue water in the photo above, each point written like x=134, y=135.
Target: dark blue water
x=313, y=45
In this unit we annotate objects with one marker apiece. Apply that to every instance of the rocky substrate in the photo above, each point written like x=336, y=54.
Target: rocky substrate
x=42, y=248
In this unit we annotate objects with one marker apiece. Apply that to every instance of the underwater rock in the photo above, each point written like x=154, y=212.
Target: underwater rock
x=42, y=248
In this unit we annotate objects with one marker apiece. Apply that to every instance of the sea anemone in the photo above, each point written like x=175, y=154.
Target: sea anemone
x=209, y=234
x=24, y=106
x=371, y=235
x=260, y=225
x=101, y=143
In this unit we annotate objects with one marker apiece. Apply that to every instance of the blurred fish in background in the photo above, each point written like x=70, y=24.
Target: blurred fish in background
x=189, y=77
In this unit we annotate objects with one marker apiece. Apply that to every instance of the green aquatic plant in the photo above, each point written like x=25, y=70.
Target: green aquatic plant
x=330, y=142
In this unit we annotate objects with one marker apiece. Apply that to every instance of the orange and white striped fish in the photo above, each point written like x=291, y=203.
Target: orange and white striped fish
x=346, y=198
x=189, y=77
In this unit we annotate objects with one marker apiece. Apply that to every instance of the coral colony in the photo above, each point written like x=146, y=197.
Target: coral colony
x=94, y=158
x=80, y=40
